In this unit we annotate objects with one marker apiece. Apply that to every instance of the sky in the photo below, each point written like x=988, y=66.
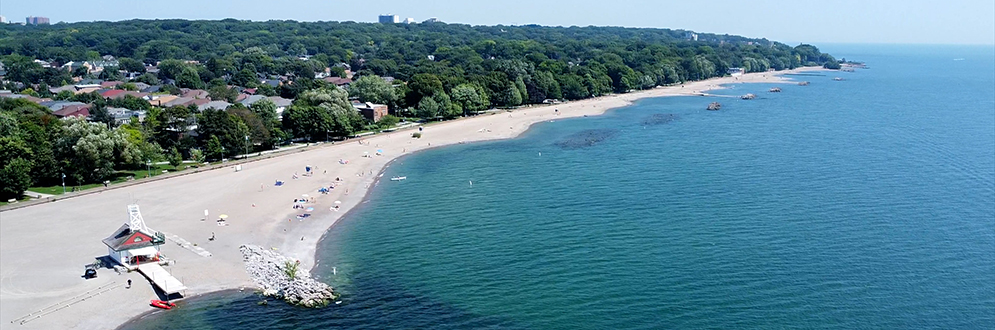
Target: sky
x=792, y=22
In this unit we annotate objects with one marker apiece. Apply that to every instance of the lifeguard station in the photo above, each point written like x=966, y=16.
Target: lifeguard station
x=136, y=247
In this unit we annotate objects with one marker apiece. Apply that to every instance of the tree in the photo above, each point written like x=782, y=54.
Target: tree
x=175, y=158
x=222, y=92
x=427, y=108
x=189, y=78
x=197, y=155
x=388, y=121
x=131, y=65
x=148, y=78
x=373, y=89
x=110, y=73
x=470, y=97
x=91, y=152
x=14, y=178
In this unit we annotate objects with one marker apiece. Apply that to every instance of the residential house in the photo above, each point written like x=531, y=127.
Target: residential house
x=140, y=86
x=371, y=111
x=281, y=103
x=220, y=105
x=56, y=90
x=110, y=84
x=250, y=99
x=122, y=115
x=271, y=82
x=194, y=93
x=338, y=81
x=161, y=100
x=112, y=93
x=150, y=89
x=44, y=64
x=177, y=101
x=58, y=105
x=75, y=110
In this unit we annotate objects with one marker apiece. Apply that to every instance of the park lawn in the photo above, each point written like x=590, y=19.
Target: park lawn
x=119, y=176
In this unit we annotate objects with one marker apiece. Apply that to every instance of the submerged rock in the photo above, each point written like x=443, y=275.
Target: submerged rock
x=714, y=106
x=658, y=119
x=279, y=277
x=586, y=138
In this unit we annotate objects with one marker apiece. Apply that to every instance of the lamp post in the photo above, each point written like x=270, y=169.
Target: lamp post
x=222, y=154
x=246, y=147
x=63, y=183
x=148, y=166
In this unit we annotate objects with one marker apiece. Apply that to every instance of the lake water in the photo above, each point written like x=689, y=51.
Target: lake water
x=863, y=203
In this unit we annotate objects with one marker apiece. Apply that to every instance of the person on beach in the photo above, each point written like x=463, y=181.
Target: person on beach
x=129, y=283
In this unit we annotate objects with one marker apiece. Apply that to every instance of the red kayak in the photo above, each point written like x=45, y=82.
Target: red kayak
x=162, y=304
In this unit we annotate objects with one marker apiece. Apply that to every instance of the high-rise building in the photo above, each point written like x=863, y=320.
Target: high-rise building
x=32, y=20
x=3, y=19
x=409, y=20
x=390, y=19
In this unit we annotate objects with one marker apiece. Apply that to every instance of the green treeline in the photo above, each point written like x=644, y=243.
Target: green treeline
x=439, y=71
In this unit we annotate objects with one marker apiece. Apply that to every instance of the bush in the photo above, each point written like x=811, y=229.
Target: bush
x=416, y=135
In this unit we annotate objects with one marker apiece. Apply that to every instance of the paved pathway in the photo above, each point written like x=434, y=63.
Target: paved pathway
x=187, y=245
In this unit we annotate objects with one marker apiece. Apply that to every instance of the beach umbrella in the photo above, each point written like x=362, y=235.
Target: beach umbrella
x=223, y=216
x=380, y=150
x=309, y=209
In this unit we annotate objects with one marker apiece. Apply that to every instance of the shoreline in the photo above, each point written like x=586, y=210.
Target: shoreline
x=37, y=274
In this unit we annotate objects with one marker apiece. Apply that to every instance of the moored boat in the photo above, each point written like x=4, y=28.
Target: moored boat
x=398, y=178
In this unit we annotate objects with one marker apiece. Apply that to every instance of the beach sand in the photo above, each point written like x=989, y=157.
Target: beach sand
x=43, y=248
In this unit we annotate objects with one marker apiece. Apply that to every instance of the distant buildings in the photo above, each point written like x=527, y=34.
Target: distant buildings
x=371, y=111
x=32, y=20
x=409, y=20
x=3, y=19
x=691, y=36
x=389, y=19
x=431, y=20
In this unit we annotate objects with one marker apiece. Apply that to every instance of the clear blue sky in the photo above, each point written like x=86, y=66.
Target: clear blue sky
x=845, y=21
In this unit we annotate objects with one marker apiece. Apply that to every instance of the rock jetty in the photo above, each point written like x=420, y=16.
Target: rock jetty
x=279, y=277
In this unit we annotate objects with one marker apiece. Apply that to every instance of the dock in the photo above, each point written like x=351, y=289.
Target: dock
x=161, y=278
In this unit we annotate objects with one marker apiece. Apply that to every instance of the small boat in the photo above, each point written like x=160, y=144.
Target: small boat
x=838, y=79
x=398, y=178
x=162, y=304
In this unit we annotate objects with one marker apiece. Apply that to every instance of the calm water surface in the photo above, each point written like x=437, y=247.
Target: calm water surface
x=864, y=203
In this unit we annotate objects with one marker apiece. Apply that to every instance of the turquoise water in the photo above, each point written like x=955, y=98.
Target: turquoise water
x=864, y=203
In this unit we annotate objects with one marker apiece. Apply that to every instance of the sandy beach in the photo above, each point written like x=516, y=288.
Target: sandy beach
x=43, y=248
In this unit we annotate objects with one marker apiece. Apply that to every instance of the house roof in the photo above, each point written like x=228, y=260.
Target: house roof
x=220, y=105
x=195, y=93
x=249, y=100
x=280, y=102
x=109, y=84
x=113, y=93
x=75, y=110
x=338, y=81
x=58, y=105
x=179, y=101
x=56, y=90
x=126, y=239
x=150, y=89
